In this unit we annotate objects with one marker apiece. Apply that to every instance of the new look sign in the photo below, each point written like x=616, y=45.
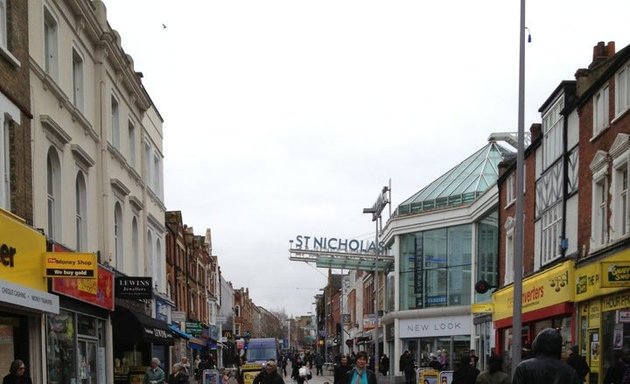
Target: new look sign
x=129, y=287
x=435, y=326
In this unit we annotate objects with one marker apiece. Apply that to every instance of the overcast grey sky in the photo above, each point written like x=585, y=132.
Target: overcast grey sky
x=288, y=117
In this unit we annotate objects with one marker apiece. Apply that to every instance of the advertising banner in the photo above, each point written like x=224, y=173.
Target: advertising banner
x=615, y=274
x=70, y=264
x=542, y=290
x=134, y=287
x=21, y=251
x=99, y=291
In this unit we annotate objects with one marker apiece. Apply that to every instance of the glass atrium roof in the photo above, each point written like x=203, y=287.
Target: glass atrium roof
x=462, y=184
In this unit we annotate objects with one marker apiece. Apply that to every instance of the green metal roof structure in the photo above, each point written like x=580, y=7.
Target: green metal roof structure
x=462, y=184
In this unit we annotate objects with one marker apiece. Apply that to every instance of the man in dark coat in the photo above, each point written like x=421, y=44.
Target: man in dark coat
x=465, y=373
x=406, y=366
x=269, y=374
x=615, y=374
x=578, y=363
x=384, y=364
x=341, y=370
x=546, y=367
x=361, y=374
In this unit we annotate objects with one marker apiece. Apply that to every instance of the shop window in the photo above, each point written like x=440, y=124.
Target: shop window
x=60, y=348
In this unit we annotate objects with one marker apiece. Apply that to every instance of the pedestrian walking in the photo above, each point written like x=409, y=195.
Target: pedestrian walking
x=17, y=374
x=435, y=363
x=494, y=374
x=155, y=374
x=341, y=370
x=300, y=371
x=546, y=367
x=319, y=364
x=178, y=376
x=185, y=365
x=269, y=375
x=407, y=367
x=384, y=364
x=465, y=373
x=361, y=374
x=619, y=373
x=578, y=363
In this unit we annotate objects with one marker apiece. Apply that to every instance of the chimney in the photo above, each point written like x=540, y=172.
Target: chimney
x=601, y=52
x=535, y=131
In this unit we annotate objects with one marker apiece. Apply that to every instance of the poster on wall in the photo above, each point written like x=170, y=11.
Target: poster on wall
x=618, y=336
x=594, y=347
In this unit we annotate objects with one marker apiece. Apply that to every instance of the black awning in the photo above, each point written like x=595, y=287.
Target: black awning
x=135, y=327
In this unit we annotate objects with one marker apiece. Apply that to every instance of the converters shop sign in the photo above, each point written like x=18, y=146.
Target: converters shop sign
x=134, y=287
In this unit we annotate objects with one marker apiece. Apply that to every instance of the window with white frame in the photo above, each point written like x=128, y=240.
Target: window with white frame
x=511, y=188
x=599, y=227
x=551, y=233
x=600, y=111
x=149, y=248
x=115, y=116
x=157, y=269
x=156, y=173
x=552, y=133
x=51, y=59
x=509, y=257
x=77, y=80
x=134, y=243
x=53, y=188
x=620, y=214
x=118, y=236
x=622, y=90
x=80, y=218
x=132, y=143
x=3, y=24
x=147, y=164
x=5, y=177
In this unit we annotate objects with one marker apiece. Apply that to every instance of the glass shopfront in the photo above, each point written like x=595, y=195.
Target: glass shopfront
x=75, y=348
x=435, y=268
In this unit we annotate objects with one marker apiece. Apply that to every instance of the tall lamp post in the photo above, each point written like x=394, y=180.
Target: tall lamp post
x=517, y=326
x=376, y=210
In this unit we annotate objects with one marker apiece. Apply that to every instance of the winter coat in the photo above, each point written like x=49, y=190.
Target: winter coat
x=340, y=373
x=371, y=376
x=546, y=367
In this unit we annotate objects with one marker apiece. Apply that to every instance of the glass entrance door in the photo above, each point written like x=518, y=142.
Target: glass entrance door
x=87, y=362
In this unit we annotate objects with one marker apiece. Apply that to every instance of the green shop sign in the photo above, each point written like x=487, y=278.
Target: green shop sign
x=193, y=328
x=615, y=274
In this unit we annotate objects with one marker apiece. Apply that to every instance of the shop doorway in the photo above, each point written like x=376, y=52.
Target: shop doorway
x=87, y=361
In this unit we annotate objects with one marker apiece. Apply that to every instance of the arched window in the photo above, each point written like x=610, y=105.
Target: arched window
x=157, y=263
x=134, y=244
x=149, y=261
x=80, y=214
x=53, y=187
x=118, y=235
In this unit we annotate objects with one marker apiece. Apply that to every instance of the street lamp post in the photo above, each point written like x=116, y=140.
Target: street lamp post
x=517, y=326
x=376, y=210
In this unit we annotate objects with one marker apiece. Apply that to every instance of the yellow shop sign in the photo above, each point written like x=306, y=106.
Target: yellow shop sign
x=70, y=264
x=616, y=274
x=602, y=278
x=21, y=250
x=542, y=290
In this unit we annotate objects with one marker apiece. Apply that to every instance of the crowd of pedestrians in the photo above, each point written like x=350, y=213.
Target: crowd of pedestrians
x=544, y=366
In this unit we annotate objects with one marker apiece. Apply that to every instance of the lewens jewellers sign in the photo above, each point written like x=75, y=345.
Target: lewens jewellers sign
x=318, y=243
x=435, y=326
x=134, y=287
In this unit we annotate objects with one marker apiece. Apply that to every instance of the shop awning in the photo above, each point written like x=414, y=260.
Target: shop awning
x=195, y=343
x=181, y=334
x=134, y=327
